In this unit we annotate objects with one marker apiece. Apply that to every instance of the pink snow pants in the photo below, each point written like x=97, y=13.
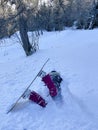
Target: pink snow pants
x=35, y=97
x=49, y=83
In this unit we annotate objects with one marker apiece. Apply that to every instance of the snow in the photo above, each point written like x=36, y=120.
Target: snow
x=73, y=53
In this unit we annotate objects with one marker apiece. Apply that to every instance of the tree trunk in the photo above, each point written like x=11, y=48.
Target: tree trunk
x=23, y=29
x=24, y=35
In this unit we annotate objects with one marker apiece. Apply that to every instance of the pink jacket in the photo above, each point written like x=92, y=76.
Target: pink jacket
x=35, y=97
x=49, y=83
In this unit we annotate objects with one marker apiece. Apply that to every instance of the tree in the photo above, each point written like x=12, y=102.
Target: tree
x=23, y=29
x=58, y=14
x=93, y=21
x=44, y=17
x=21, y=19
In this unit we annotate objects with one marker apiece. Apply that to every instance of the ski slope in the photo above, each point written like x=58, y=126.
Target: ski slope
x=74, y=54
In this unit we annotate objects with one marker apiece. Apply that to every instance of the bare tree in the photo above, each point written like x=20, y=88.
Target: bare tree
x=19, y=20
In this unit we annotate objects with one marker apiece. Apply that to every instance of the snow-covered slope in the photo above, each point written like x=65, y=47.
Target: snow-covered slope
x=73, y=53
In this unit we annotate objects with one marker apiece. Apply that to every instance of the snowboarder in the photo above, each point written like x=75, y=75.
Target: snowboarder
x=52, y=81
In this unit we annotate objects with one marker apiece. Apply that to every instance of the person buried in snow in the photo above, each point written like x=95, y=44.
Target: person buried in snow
x=52, y=81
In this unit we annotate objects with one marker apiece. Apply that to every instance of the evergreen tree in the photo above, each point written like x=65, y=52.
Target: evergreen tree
x=58, y=14
x=44, y=16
